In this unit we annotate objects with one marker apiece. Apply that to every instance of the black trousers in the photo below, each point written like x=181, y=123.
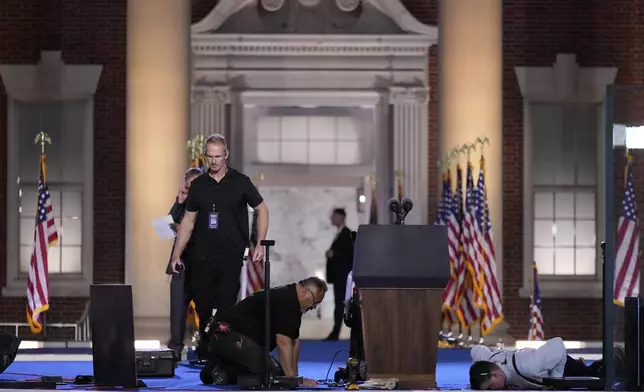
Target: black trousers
x=237, y=354
x=339, y=288
x=214, y=285
x=575, y=368
x=180, y=297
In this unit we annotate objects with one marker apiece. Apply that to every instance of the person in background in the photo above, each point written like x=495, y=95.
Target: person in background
x=180, y=294
x=339, y=262
x=237, y=346
x=525, y=368
x=217, y=212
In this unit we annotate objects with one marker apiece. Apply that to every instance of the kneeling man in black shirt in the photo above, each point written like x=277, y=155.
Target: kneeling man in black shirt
x=237, y=342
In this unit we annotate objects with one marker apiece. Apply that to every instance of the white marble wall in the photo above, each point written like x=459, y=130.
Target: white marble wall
x=300, y=225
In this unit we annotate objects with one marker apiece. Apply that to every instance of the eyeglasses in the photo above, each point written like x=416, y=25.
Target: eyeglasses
x=315, y=301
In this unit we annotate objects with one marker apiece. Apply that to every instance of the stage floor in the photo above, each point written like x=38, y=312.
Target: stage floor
x=315, y=362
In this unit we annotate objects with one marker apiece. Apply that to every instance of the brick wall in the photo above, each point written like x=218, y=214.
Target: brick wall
x=93, y=32
x=87, y=32
x=600, y=34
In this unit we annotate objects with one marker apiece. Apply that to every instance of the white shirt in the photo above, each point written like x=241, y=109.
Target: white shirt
x=548, y=360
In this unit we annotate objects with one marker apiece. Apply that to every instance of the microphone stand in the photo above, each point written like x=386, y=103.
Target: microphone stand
x=266, y=383
x=400, y=217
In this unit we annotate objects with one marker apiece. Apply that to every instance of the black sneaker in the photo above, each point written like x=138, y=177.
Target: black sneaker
x=213, y=374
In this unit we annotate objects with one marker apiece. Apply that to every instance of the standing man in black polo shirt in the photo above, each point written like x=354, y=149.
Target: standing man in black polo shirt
x=217, y=212
x=239, y=333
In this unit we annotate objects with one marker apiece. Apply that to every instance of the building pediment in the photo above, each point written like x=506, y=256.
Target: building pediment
x=314, y=17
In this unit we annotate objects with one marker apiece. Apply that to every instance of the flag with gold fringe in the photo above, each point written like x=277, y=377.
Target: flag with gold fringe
x=469, y=293
x=45, y=236
x=627, y=245
x=445, y=217
x=491, y=300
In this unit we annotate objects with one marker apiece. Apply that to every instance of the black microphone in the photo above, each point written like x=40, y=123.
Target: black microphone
x=407, y=205
x=394, y=205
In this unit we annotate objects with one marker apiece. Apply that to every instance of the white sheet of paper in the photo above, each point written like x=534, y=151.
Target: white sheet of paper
x=162, y=227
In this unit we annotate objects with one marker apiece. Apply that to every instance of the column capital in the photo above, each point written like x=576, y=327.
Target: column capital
x=399, y=94
x=220, y=94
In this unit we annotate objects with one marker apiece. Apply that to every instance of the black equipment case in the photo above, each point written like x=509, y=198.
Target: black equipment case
x=156, y=363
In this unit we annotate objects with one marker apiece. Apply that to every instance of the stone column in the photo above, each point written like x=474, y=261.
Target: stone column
x=158, y=107
x=471, y=93
x=410, y=147
x=211, y=111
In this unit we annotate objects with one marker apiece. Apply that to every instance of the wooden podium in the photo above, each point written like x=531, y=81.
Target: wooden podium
x=401, y=272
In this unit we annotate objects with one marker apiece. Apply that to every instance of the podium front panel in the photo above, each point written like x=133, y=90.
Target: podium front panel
x=401, y=257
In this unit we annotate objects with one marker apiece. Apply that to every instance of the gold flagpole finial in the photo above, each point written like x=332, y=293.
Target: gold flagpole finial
x=482, y=141
x=200, y=141
x=371, y=180
x=456, y=154
x=196, y=146
x=468, y=148
x=399, y=174
x=42, y=138
x=192, y=149
x=400, y=179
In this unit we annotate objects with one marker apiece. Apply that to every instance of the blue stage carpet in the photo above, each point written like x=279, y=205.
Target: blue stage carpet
x=315, y=359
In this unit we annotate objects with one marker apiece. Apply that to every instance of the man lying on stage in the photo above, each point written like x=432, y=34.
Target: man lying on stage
x=237, y=340
x=525, y=368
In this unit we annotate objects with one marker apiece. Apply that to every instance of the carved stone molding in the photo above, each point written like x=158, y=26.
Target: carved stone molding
x=272, y=5
x=50, y=79
x=220, y=94
x=418, y=95
x=392, y=8
x=292, y=45
x=565, y=81
x=347, y=5
x=309, y=3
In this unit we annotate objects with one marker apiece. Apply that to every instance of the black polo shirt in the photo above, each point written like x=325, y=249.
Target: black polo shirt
x=248, y=316
x=228, y=199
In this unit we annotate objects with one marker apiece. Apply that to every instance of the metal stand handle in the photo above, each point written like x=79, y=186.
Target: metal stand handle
x=267, y=330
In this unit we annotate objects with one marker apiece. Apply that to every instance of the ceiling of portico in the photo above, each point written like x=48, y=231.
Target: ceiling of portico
x=315, y=17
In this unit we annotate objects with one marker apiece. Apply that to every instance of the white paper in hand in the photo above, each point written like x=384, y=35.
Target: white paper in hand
x=162, y=227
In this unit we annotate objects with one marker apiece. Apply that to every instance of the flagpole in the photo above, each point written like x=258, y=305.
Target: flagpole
x=483, y=227
x=400, y=175
x=43, y=138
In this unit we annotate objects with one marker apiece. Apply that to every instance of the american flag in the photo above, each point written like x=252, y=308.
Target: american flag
x=467, y=311
x=627, y=274
x=45, y=235
x=492, y=301
x=254, y=270
x=536, y=318
x=442, y=218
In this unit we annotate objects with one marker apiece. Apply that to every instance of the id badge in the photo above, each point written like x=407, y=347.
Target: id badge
x=213, y=220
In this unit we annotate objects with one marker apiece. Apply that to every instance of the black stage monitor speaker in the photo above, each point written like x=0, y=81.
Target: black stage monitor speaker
x=8, y=349
x=112, y=323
